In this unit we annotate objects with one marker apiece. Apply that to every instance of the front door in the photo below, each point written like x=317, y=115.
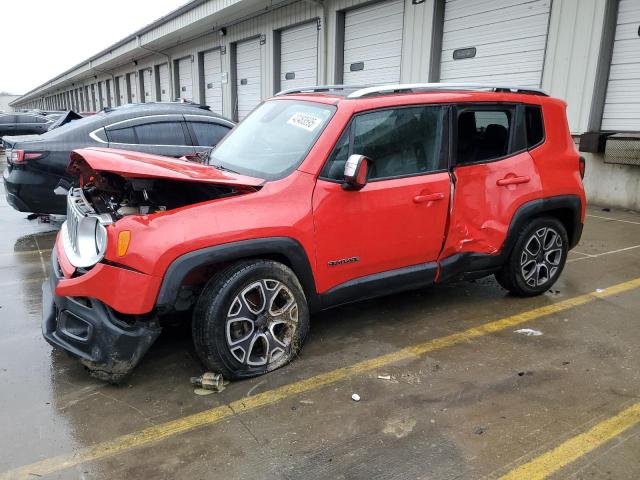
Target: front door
x=398, y=219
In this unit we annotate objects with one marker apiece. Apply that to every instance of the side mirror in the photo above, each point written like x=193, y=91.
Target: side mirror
x=356, y=171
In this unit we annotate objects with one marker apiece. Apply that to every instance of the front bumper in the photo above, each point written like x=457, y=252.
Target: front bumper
x=89, y=330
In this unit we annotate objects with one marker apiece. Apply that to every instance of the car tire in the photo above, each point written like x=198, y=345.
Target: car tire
x=537, y=258
x=251, y=318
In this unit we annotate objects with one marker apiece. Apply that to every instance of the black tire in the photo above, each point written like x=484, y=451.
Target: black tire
x=254, y=343
x=530, y=271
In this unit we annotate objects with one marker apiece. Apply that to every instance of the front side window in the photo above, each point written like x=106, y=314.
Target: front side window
x=399, y=142
x=273, y=140
x=483, y=134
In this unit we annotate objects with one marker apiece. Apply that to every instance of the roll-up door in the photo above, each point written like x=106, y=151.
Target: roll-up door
x=212, y=73
x=132, y=88
x=622, y=101
x=299, y=56
x=373, y=43
x=248, y=78
x=146, y=95
x=185, y=80
x=494, y=41
x=121, y=92
x=102, y=95
x=163, y=83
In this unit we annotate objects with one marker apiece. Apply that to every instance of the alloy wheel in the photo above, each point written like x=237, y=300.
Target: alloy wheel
x=541, y=256
x=261, y=323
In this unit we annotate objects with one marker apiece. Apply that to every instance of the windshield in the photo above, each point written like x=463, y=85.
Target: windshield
x=272, y=141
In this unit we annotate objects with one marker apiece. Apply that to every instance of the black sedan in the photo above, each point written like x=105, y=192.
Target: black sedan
x=24, y=123
x=36, y=164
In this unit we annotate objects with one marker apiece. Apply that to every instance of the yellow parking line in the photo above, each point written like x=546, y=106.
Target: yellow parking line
x=576, y=447
x=208, y=417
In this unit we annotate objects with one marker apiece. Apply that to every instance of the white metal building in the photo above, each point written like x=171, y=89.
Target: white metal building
x=231, y=54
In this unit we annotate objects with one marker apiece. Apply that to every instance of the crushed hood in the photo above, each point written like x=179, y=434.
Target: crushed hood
x=68, y=117
x=143, y=165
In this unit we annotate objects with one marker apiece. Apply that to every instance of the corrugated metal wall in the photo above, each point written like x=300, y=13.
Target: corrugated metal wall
x=570, y=51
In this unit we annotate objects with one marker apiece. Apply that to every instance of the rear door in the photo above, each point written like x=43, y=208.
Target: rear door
x=494, y=175
x=398, y=219
x=7, y=124
x=157, y=134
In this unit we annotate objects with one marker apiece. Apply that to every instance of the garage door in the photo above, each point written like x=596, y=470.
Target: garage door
x=299, y=56
x=185, y=80
x=494, y=41
x=373, y=43
x=103, y=93
x=163, y=81
x=133, y=88
x=248, y=86
x=622, y=101
x=146, y=95
x=212, y=73
x=122, y=91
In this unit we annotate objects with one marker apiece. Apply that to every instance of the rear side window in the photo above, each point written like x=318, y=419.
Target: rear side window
x=25, y=119
x=483, y=134
x=534, y=126
x=160, y=133
x=208, y=134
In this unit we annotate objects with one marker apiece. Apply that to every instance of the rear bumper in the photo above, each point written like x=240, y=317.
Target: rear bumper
x=29, y=191
x=89, y=330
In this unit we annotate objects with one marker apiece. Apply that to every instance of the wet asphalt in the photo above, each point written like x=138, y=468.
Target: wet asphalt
x=472, y=410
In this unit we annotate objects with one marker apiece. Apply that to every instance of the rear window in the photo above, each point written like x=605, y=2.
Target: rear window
x=534, y=126
x=208, y=134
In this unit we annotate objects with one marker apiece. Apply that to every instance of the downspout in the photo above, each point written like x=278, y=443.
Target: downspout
x=169, y=63
x=325, y=38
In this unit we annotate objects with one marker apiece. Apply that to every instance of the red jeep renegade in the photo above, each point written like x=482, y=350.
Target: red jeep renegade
x=320, y=197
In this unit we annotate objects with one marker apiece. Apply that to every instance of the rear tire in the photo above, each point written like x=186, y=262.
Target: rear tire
x=251, y=318
x=537, y=258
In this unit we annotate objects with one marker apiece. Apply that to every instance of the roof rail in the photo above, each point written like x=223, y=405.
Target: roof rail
x=321, y=89
x=430, y=87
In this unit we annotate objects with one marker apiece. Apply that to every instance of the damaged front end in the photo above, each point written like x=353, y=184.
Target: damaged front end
x=99, y=310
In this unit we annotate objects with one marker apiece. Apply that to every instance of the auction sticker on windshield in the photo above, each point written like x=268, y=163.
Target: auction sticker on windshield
x=304, y=120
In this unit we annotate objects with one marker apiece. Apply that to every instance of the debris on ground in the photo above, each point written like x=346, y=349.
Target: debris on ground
x=606, y=209
x=355, y=397
x=522, y=374
x=599, y=290
x=480, y=430
x=207, y=383
x=529, y=332
x=384, y=377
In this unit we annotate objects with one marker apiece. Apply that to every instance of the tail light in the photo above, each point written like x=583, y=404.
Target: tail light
x=582, y=165
x=20, y=156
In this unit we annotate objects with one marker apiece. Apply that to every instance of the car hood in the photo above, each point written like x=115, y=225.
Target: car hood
x=68, y=117
x=142, y=165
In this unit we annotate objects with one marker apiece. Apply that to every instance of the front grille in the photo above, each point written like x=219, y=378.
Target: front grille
x=77, y=209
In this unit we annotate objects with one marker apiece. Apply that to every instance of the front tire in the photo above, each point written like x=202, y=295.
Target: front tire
x=251, y=318
x=537, y=259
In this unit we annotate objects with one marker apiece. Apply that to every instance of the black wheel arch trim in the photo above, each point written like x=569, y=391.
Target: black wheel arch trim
x=286, y=247
x=467, y=264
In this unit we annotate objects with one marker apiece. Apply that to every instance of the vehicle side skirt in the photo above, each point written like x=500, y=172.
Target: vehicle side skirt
x=379, y=284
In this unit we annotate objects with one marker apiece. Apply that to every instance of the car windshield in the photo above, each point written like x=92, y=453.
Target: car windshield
x=273, y=140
